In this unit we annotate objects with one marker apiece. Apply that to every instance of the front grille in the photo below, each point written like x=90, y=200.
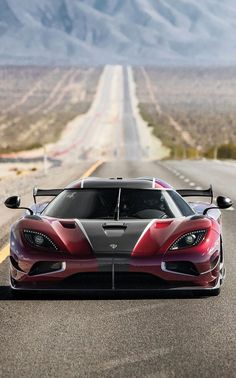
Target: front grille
x=86, y=281
x=137, y=281
x=122, y=280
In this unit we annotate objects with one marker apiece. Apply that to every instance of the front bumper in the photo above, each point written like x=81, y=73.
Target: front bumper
x=112, y=274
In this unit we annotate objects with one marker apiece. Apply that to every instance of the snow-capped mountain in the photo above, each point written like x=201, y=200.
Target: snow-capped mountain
x=125, y=31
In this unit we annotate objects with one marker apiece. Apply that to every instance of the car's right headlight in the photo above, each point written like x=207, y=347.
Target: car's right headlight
x=190, y=239
x=39, y=240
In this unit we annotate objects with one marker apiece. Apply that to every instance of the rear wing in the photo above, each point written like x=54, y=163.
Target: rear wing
x=45, y=193
x=197, y=193
x=183, y=192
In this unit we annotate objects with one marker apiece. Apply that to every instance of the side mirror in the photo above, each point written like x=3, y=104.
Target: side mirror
x=13, y=202
x=224, y=202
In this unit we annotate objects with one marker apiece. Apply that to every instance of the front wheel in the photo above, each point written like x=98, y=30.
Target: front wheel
x=16, y=294
x=209, y=293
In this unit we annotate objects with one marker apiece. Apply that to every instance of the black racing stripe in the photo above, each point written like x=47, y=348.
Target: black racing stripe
x=113, y=183
x=116, y=255
x=113, y=249
x=104, y=263
x=122, y=267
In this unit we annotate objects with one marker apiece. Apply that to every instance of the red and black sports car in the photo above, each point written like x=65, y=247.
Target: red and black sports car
x=118, y=234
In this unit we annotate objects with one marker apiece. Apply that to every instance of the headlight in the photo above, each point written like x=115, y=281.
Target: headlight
x=191, y=239
x=39, y=240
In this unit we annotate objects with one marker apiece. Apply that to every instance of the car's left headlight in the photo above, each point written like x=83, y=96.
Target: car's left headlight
x=39, y=240
x=190, y=239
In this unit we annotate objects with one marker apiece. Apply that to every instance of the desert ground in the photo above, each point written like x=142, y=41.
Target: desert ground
x=189, y=106
x=37, y=102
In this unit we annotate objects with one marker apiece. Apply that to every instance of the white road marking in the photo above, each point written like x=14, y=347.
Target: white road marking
x=193, y=184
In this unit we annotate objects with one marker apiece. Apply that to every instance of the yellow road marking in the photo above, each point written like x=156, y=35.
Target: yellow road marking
x=92, y=169
x=4, y=253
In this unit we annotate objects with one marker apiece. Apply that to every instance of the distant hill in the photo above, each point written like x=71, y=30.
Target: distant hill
x=117, y=31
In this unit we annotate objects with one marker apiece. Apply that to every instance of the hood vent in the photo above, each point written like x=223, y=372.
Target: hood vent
x=114, y=229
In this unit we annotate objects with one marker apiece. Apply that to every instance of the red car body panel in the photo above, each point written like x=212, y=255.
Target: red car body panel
x=148, y=255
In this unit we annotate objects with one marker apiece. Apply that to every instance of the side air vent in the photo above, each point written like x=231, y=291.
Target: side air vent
x=69, y=225
x=15, y=264
x=196, y=217
x=184, y=267
x=45, y=267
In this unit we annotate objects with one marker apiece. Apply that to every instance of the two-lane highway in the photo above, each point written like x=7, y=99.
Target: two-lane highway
x=112, y=128
x=129, y=335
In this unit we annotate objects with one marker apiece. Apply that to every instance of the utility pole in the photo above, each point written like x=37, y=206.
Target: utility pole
x=45, y=160
x=215, y=153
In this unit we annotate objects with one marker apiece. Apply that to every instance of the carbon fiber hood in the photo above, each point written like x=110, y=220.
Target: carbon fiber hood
x=113, y=235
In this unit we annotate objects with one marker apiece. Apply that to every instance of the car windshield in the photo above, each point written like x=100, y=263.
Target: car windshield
x=115, y=203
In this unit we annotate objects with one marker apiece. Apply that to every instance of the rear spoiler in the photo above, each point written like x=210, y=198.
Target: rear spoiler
x=45, y=193
x=183, y=192
x=197, y=193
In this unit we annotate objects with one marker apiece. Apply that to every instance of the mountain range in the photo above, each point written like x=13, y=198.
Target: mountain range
x=117, y=31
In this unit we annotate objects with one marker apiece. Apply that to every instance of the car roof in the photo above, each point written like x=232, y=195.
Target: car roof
x=119, y=182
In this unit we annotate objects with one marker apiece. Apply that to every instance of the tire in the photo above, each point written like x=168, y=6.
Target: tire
x=208, y=293
x=214, y=292
x=17, y=294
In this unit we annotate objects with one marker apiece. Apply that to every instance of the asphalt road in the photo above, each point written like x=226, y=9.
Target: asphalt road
x=130, y=335
x=131, y=136
x=111, y=129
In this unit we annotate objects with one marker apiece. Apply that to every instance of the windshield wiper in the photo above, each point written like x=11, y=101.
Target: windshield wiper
x=117, y=209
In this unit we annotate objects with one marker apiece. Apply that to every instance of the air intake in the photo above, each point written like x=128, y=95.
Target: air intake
x=69, y=224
